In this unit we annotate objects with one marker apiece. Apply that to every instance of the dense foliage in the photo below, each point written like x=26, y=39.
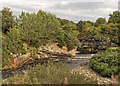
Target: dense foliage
x=106, y=63
x=34, y=30
x=42, y=28
x=100, y=21
x=70, y=34
x=99, y=35
x=11, y=43
x=51, y=73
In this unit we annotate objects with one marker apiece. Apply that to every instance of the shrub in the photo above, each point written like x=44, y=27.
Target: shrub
x=106, y=63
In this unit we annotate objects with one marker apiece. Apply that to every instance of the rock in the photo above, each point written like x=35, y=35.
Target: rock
x=54, y=49
x=91, y=44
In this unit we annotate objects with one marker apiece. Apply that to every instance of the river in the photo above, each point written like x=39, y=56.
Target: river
x=79, y=59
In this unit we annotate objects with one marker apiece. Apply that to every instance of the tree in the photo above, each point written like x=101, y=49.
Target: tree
x=7, y=19
x=38, y=29
x=114, y=18
x=81, y=25
x=100, y=21
x=42, y=28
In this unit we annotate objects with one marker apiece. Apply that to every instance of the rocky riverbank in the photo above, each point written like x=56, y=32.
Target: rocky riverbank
x=53, y=49
x=91, y=74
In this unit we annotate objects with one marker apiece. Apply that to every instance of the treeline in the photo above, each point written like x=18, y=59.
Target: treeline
x=99, y=35
x=36, y=29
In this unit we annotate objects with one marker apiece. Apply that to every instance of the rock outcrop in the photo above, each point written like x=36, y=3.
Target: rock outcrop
x=52, y=50
x=90, y=44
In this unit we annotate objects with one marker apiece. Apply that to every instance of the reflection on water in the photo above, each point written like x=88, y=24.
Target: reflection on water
x=80, y=59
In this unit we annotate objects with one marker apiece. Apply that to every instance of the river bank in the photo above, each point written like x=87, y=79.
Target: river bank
x=85, y=69
x=80, y=64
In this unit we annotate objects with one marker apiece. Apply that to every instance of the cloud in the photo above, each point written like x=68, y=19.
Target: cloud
x=83, y=5
x=84, y=10
x=74, y=10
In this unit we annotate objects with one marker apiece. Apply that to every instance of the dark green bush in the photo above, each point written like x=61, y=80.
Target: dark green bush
x=106, y=63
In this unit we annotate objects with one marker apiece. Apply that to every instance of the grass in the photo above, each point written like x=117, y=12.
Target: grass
x=51, y=73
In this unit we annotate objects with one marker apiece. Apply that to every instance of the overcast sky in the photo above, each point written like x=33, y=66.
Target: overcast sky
x=74, y=10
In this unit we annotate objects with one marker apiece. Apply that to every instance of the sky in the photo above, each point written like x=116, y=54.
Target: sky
x=74, y=10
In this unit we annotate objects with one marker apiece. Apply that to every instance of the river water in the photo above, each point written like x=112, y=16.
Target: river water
x=78, y=60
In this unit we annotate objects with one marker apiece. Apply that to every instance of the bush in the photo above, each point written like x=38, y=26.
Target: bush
x=106, y=63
